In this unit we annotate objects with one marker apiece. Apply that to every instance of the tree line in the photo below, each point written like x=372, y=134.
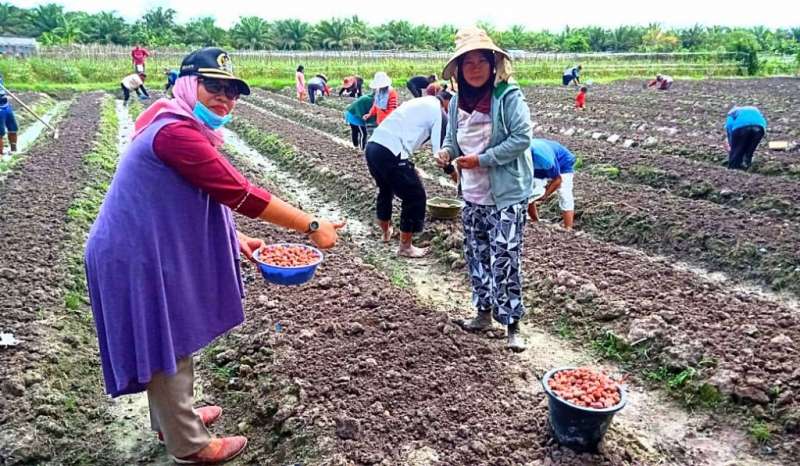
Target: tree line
x=51, y=25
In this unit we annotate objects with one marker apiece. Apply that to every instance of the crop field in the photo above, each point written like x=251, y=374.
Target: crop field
x=681, y=277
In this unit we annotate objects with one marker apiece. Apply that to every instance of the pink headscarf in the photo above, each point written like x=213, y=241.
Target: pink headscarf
x=185, y=92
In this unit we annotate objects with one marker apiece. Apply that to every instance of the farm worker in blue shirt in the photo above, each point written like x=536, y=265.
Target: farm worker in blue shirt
x=554, y=169
x=572, y=74
x=745, y=127
x=172, y=76
x=7, y=119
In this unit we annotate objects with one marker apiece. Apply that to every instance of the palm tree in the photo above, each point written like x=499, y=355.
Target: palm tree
x=204, y=31
x=396, y=34
x=514, y=38
x=359, y=33
x=333, y=34
x=424, y=37
x=381, y=38
x=251, y=32
x=598, y=38
x=692, y=38
x=107, y=28
x=69, y=31
x=45, y=18
x=444, y=37
x=626, y=38
x=12, y=19
x=159, y=19
x=292, y=34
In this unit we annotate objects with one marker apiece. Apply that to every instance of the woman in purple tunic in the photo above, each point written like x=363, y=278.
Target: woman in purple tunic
x=162, y=258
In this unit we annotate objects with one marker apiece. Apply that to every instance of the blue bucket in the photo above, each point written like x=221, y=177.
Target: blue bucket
x=578, y=428
x=289, y=275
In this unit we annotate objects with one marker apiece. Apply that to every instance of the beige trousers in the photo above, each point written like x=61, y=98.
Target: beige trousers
x=170, y=398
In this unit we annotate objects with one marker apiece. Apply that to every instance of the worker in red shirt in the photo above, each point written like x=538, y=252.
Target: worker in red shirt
x=662, y=82
x=580, y=99
x=139, y=55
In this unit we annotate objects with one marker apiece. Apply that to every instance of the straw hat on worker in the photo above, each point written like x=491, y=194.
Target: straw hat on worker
x=474, y=38
x=488, y=139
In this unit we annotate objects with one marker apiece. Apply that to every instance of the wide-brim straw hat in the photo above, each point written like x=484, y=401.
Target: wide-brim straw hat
x=380, y=80
x=474, y=38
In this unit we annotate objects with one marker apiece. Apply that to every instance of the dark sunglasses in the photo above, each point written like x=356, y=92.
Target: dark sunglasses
x=216, y=86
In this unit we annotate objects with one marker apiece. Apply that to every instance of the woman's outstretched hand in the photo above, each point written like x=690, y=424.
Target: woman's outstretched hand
x=327, y=234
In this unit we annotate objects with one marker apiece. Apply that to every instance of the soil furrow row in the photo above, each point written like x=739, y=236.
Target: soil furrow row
x=366, y=361
x=39, y=382
x=635, y=266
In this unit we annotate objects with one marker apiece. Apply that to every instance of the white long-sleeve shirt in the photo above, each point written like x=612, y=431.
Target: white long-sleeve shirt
x=408, y=127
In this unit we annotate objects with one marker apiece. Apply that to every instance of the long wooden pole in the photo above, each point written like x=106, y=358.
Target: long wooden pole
x=55, y=131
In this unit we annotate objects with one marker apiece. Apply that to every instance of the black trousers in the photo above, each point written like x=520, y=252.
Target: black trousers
x=415, y=91
x=126, y=94
x=744, y=141
x=359, y=136
x=396, y=177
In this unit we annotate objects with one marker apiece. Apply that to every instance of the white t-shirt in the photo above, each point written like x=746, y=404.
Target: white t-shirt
x=411, y=124
x=474, y=133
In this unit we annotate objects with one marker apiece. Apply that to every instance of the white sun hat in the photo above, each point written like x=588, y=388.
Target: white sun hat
x=380, y=80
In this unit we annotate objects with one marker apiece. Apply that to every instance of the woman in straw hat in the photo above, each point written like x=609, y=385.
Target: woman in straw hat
x=385, y=97
x=488, y=135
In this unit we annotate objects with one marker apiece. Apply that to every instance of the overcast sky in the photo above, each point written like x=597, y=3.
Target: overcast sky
x=534, y=15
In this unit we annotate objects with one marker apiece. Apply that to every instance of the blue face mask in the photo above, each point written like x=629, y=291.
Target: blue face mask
x=211, y=119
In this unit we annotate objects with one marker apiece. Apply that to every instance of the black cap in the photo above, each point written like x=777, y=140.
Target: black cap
x=212, y=62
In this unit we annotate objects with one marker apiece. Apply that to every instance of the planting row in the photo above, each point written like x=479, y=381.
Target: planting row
x=749, y=247
x=601, y=287
x=771, y=196
x=50, y=381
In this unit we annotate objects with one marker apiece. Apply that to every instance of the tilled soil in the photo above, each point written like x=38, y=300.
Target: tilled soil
x=739, y=342
x=769, y=195
x=42, y=395
x=686, y=121
x=747, y=246
x=702, y=321
x=377, y=377
x=773, y=196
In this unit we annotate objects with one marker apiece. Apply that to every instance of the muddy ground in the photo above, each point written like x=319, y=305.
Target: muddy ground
x=686, y=121
x=354, y=368
x=751, y=247
x=624, y=311
x=49, y=396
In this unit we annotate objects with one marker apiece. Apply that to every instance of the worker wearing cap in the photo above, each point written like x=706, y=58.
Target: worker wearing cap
x=8, y=122
x=172, y=76
x=162, y=258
